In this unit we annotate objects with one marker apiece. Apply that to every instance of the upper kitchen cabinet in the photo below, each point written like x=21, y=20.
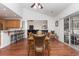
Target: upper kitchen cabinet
x=9, y=24
x=2, y=24
x=13, y=23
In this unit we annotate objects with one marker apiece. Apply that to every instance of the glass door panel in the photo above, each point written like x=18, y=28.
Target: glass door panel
x=66, y=30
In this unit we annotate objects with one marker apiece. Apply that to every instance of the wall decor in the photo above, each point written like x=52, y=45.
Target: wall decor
x=56, y=23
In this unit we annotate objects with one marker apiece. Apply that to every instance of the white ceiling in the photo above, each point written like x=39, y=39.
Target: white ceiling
x=5, y=12
x=51, y=9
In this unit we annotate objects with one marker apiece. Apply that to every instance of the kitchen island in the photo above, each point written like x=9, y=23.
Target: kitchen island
x=8, y=37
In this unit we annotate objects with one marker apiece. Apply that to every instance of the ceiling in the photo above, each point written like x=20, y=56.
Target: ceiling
x=5, y=12
x=51, y=9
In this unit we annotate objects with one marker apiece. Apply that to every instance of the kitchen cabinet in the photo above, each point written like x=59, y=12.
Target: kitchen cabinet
x=0, y=39
x=13, y=24
x=16, y=35
x=9, y=24
x=2, y=24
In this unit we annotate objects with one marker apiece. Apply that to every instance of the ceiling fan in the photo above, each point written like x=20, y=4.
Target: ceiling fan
x=37, y=5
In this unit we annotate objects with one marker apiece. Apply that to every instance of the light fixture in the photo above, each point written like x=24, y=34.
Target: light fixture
x=37, y=5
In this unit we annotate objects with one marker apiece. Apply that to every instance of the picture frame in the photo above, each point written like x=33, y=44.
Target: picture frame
x=56, y=23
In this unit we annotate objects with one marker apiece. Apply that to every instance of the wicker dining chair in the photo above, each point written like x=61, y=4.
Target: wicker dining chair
x=31, y=45
x=39, y=44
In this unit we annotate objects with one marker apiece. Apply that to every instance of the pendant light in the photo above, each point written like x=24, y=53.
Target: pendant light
x=37, y=5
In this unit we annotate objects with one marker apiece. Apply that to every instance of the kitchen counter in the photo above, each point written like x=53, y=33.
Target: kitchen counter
x=8, y=36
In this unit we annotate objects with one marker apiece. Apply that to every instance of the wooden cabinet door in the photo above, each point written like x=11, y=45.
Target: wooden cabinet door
x=16, y=23
x=13, y=24
x=7, y=24
x=2, y=24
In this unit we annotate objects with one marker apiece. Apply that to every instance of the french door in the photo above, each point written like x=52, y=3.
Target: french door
x=67, y=32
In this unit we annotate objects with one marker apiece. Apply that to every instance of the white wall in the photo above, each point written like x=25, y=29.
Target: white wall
x=68, y=11
x=32, y=15
x=61, y=30
x=38, y=24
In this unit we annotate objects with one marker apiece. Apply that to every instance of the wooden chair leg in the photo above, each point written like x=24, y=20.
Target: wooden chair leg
x=28, y=51
x=48, y=52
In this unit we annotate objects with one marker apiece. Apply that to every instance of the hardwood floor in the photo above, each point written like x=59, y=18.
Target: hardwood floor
x=20, y=49
x=15, y=49
x=60, y=49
